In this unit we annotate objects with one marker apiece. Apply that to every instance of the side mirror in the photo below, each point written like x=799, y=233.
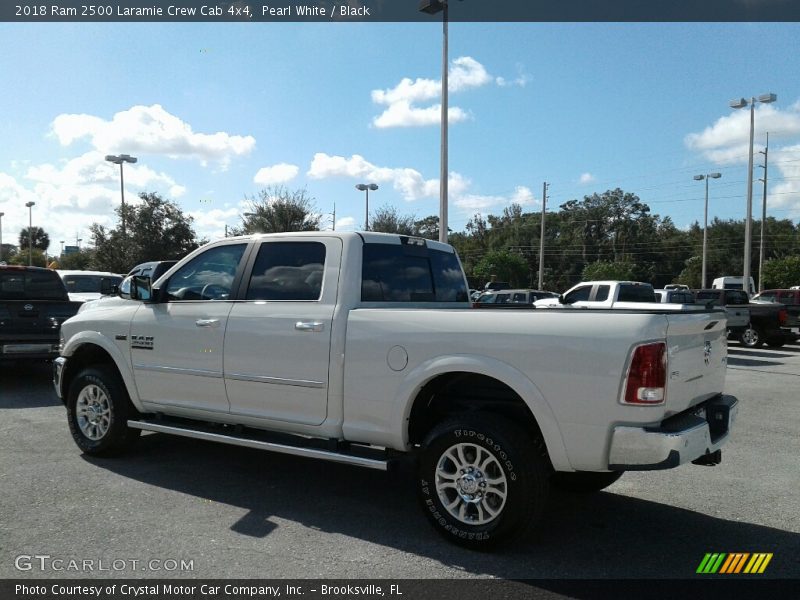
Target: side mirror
x=115, y=290
x=561, y=299
x=140, y=288
x=106, y=287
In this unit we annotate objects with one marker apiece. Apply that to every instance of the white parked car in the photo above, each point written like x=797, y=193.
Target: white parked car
x=89, y=285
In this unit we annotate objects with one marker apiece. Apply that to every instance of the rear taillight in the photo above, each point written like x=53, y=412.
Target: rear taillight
x=646, y=383
x=783, y=316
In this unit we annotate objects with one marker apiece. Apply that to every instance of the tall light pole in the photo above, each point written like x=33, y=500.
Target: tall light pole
x=1, y=236
x=748, y=223
x=433, y=7
x=120, y=160
x=541, y=237
x=30, y=206
x=707, y=176
x=765, y=152
x=62, y=248
x=366, y=187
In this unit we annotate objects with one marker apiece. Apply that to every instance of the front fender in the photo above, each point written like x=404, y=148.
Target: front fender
x=490, y=367
x=120, y=360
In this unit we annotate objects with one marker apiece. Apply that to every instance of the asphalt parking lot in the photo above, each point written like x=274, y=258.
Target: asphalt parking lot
x=239, y=513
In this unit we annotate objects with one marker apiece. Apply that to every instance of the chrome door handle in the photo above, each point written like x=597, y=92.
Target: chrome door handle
x=316, y=326
x=207, y=322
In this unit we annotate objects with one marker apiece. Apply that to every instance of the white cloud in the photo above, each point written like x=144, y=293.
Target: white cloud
x=408, y=182
x=75, y=193
x=475, y=202
x=728, y=139
x=346, y=224
x=402, y=111
x=210, y=224
x=411, y=184
x=280, y=173
x=152, y=130
x=586, y=178
x=727, y=142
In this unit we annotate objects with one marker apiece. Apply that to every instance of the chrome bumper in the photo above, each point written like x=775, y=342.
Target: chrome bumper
x=58, y=371
x=680, y=439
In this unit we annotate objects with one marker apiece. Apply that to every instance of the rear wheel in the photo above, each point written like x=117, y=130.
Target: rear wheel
x=482, y=480
x=751, y=337
x=584, y=482
x=98, y=408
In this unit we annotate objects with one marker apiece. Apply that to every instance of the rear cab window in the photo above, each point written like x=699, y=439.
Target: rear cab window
x=19, y=284
x=411, y=272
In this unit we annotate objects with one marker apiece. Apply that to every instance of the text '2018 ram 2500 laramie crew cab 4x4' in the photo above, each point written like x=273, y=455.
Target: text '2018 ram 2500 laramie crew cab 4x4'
x=364, y=348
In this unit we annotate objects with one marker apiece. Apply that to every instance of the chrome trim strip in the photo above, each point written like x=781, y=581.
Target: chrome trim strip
x=380, y=465
x=276, y=380
x=179, y=371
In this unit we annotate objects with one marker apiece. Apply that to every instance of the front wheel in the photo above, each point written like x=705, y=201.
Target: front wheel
x=751, y=337
x=482, y=480
x=98, y=408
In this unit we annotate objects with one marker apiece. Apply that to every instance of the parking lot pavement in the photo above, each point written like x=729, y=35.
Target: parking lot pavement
x=236, y=512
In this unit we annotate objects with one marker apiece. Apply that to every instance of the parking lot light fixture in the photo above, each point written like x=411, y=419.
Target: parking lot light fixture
x=707, y=176
x=748, y=223
x=1, y=236
x=120, y=160
x=30, y=206
x=366, y=187
x=433, y=7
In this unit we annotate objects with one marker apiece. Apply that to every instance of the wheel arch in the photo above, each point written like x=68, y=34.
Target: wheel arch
x=91, y=348
x=446, y=385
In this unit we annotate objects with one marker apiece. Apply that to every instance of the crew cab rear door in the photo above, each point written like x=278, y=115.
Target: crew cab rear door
x=277, y=344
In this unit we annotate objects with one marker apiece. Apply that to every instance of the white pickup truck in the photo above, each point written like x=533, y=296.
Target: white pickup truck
x=364, y=349
x=603, y=294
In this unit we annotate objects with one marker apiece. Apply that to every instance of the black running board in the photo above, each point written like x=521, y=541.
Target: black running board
x=249, y=442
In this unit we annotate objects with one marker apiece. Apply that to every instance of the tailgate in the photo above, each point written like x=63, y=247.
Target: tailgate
x=738, y=316
x=697, y=358
x=26, y=318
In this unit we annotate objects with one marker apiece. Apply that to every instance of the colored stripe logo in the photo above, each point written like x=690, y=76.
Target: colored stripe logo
x=734, y=563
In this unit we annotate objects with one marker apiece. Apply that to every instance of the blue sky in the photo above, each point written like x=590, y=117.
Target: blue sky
x=214, y=112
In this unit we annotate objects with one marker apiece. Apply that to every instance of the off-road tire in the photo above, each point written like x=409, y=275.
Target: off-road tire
x=98, y=408
x=584, y=482
x=486, y=456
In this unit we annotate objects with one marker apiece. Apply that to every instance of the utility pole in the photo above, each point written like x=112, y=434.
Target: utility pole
x=541, y=238
x=763, y=218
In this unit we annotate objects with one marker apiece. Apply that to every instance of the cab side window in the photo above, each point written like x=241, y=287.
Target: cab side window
x=208, y=276
x=577, y=295
x=287, y=271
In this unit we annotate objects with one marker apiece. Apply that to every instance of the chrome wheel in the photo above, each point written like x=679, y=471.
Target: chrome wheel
x=471, y=484
x=93, y=412
x=750, y=337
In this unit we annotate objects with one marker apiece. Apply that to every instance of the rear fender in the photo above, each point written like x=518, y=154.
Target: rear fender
x=481, y=365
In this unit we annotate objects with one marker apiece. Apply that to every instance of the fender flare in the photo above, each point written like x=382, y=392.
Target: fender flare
x=95, y=338
x=490, y=367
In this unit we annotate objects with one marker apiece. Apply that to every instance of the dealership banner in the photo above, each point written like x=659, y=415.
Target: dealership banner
x=401, y=10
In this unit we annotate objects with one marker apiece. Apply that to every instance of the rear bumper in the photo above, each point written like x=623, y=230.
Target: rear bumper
x=685, y=437
x=28, y=349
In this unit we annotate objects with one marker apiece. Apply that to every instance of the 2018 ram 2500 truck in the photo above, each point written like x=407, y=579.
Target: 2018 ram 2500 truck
x=363, y=346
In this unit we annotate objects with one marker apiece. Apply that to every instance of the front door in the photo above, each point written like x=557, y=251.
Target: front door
x=177, y=344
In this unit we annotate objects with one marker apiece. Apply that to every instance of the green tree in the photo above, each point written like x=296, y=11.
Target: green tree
x=76, y=261
x=428, y=227
x=782, y=272
x=600, y=270
x=156, y=229
x=40, y=239
x=504, y=266
x=276, y=209
x=386, y=219
x=21, y=258
x=692, y=273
